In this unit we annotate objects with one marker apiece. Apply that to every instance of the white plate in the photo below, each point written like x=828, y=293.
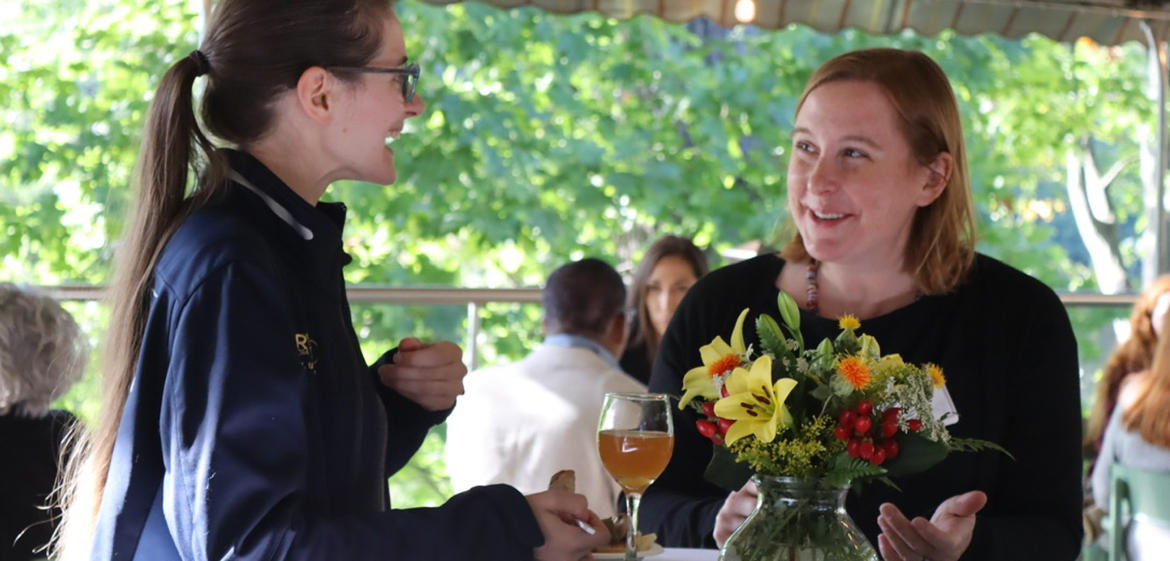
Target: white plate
x=654, y=550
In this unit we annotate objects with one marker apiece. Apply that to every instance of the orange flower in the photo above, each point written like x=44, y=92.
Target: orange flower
x=725, y=364
x=936, y=375
x=855, y=371
x=718, y=358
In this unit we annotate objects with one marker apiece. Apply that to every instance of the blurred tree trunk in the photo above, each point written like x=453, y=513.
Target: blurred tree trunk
x=1094, y=214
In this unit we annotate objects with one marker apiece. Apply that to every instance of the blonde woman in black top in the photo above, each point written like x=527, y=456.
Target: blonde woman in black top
x=880, y=197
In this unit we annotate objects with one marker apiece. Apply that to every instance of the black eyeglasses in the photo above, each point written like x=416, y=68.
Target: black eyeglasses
x=409, y=75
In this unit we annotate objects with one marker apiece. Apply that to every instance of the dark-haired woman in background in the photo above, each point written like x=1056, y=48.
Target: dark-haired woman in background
x=240, y=420
x=669, y=269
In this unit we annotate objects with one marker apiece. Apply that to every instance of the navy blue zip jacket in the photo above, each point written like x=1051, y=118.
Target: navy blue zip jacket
x=254, y=429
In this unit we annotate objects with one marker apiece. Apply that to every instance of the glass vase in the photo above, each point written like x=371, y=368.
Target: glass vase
x=798, y=520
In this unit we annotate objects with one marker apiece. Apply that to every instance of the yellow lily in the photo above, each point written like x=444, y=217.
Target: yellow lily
x=718, y=359
x=755, y=403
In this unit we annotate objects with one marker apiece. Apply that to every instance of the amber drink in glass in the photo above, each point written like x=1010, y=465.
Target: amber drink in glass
x=635, y=437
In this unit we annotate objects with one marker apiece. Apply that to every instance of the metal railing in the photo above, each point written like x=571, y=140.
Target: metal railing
x=475, y=298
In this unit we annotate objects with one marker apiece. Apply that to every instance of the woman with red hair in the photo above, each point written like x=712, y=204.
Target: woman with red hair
x=1138, y=436
x=1134, y=355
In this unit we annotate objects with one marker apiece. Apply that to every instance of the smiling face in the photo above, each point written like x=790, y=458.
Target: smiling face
x=853, y=182
x=672, y=277
x=374, y=112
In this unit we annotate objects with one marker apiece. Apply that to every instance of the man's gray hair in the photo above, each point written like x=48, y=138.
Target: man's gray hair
x=43, y=351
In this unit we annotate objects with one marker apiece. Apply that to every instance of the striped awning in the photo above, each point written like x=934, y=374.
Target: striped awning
x=1108, y=22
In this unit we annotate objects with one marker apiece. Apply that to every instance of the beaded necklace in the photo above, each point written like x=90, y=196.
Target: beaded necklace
x=811, y=300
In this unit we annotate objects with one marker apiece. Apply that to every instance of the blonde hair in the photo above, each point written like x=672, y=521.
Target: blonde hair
x=941, y=248
x=43, y=351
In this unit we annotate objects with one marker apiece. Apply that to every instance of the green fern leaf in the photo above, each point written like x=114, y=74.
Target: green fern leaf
x=771, y=338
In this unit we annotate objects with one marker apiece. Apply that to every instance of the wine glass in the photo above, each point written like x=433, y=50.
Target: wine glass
x=635, y=437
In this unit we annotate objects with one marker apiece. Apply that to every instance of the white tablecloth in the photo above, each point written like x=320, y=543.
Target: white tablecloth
x=678, y=554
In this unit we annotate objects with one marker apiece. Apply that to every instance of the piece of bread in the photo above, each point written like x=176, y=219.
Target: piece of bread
x=644, y=541
x=564, y=480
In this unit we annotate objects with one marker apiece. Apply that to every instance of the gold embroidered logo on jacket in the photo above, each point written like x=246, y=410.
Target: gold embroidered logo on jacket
x=307, y=349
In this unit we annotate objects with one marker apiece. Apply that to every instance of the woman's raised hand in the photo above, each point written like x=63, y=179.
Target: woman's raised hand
x=429, y=374
x=943, y=538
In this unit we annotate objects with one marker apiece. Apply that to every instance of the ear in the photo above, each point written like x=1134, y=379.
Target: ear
x=939, y=175
x=315, y=93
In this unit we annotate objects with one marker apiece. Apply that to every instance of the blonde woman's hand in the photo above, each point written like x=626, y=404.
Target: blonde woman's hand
x=734, y=511
x=557, y=514
x=943, y=538
x=429, y=374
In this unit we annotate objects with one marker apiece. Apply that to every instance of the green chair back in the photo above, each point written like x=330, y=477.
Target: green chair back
x=1135, y=491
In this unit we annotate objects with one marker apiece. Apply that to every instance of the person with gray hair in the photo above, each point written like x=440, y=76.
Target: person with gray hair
x=521, y=423
x=43, y=352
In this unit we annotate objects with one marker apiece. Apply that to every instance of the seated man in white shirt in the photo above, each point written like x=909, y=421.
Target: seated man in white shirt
x=521, y=423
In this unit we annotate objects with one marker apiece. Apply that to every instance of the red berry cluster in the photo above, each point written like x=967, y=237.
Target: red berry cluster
x=870, y=436
x=713, y=427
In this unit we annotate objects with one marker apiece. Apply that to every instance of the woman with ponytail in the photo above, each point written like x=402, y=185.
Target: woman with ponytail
x=239, y=418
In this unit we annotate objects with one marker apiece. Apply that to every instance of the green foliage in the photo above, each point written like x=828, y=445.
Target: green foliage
x=73, y=93
x=798, y=519
x=975, y=445
x=83, y=398
x=845, y=470
x=424, y=481
x=772, y=339
x=800, y=454
x=725, y=471
x=917, y=453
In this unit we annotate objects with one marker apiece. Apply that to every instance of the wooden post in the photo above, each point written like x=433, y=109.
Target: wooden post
x=1157, y=261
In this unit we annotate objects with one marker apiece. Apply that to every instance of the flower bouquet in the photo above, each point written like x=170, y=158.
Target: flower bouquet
x=812, y=420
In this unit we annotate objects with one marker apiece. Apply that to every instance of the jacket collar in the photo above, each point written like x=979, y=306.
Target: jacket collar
x=573, y=341
x=320, y=226
x=307, y=220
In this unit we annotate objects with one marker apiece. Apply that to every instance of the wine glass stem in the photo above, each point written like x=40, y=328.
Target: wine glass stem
x=632, y=502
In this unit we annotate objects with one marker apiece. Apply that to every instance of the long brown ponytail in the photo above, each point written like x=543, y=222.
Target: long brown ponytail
x=255, y=51
x=167, y=157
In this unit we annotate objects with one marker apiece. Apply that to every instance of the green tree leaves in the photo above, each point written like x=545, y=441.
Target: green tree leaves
x=548, y=138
